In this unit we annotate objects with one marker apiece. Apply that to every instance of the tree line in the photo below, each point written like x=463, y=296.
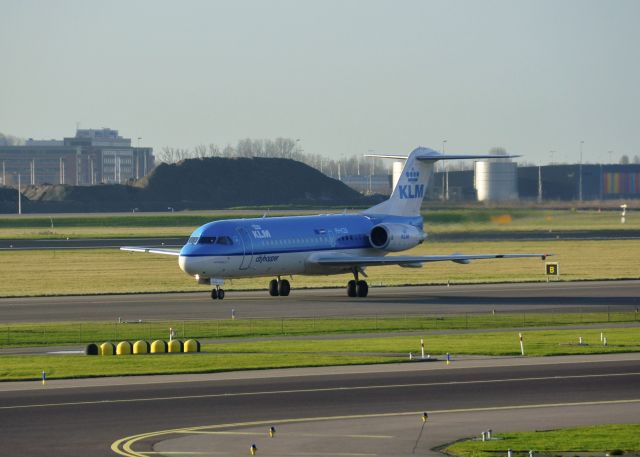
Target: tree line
x=281, y=148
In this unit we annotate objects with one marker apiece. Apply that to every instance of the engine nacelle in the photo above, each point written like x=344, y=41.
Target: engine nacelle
x=395, y=237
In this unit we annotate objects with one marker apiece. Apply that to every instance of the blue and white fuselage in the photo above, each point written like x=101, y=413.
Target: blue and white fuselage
x=281, y=245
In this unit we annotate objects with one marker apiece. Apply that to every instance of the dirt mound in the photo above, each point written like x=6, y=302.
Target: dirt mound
x=205, y=183
x=243, y=181
x=63, y=192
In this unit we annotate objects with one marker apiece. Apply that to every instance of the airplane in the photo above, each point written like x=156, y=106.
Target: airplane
x=323, y=244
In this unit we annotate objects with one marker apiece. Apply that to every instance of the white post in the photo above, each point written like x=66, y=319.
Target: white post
x=521, y=344
x=446, y=182
x=601, y=336
x=580, y=341
x=605, y=341
x=422, y=346
x=539, y=183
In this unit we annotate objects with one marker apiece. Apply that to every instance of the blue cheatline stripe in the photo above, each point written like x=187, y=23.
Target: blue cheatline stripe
x=292, y=251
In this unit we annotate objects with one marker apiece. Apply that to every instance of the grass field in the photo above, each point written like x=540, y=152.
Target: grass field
x=26, y=273
x=230, y=356
x=599, y=438
x=47, y=334
x=183, y=223
x=537, y=343
x=23, y=368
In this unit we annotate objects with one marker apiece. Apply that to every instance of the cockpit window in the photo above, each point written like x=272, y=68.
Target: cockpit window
x=193, y=240
x=225, y=240
x=207, y=240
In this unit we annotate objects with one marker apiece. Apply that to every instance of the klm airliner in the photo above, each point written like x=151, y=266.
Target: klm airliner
x=323, y=244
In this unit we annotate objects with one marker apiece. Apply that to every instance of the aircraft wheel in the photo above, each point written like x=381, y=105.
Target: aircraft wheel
x=214, y=294
x=363, y=288
x=351, y=289
x=273, y=288
x=220, y=294
x=284, y=288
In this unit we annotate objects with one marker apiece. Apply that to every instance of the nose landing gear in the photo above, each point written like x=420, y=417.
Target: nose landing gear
x=279, y=287
x=357, y=287
x=217, y=293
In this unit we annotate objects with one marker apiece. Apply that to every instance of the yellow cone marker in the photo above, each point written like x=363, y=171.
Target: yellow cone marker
x=425, y=416
x=272, y=432
x=44, y=378
x=253, y=449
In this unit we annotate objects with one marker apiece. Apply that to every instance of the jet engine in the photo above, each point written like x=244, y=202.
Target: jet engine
x=395, y=237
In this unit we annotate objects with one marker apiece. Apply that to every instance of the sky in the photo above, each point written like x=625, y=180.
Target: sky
x=344, y=77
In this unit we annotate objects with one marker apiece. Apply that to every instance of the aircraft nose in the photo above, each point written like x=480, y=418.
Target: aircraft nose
x=186, y=265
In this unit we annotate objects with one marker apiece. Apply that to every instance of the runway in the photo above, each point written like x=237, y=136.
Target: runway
x=320, y=411
x=529, y=297
x=179, y=241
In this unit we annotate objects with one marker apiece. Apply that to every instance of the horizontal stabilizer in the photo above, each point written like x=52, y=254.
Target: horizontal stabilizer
x=428, y=154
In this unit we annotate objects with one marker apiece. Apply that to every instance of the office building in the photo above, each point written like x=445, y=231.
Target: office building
x=90, y=157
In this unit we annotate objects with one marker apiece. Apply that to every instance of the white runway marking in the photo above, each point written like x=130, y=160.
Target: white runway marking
x=326, y=389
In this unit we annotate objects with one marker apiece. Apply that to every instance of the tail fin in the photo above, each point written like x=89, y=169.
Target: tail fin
x=416, y=175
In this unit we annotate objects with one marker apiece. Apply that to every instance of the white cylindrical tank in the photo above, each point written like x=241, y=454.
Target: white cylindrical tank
x=396, y=172
x=496, y=180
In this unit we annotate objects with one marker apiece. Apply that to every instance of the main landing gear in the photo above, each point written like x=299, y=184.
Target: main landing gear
x=217, y=293
x=279, y=287
x=356, y=287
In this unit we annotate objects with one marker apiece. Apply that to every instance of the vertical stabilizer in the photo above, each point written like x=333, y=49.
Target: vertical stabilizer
x=408, y=194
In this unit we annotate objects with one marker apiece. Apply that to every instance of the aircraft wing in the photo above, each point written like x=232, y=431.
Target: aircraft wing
x=151, y=250
x=410, y=260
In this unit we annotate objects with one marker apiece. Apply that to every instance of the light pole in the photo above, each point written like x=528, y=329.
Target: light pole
x=445, y=176
x=610, y=152
x=371, y=169
x=580, y=173
x=551, y=153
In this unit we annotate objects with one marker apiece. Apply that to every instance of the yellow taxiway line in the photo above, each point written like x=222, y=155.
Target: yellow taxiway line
x=124, y=446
